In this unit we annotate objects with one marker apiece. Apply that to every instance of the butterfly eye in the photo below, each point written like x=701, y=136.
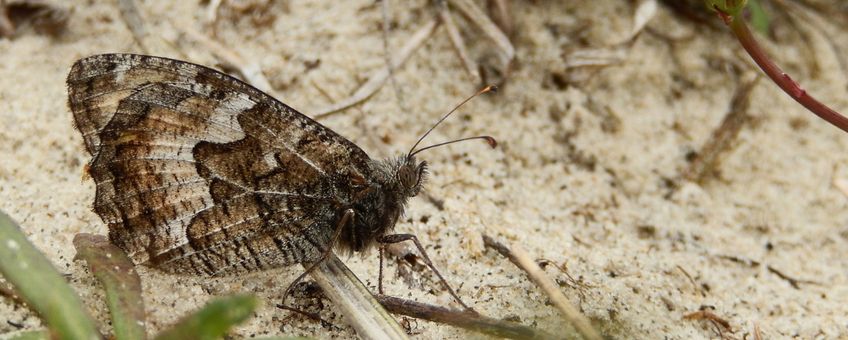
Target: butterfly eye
x=407, y=177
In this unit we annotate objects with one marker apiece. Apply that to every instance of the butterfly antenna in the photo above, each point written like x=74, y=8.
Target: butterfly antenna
x=492, y=142
x=490, y=88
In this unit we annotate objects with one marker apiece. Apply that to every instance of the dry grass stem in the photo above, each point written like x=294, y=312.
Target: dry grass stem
x=359, y=307
x=464, y=319
x=156, y=45
x=458, y=43
x=376, y=80
x=479, y=18
x=251, y=72
x=132, y=18
x=384, y=9
x=723, y=137
x=616, y=52
x=720, y=324
x=520, y=258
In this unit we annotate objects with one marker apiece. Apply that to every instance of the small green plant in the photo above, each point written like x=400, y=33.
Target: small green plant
x=732, y=12
x=48, y=294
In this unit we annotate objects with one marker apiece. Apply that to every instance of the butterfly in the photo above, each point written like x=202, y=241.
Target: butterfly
x=199, y=173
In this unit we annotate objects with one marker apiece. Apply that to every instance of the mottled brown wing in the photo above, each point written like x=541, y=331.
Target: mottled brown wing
x=198, y=172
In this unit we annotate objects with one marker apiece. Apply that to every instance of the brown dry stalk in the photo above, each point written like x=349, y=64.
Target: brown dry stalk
x=722, y=138
x=251, y=71
x=521, y=259
x=795, y=283
x=132, y=18
x=378, y=78
x=358, y=305
x=384, y=9
x=720, y=324
x=458, y=43
x=479, y=18
x=501, y=15
x=464, y=319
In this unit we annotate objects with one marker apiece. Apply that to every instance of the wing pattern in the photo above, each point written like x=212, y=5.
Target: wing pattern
x=198, y=172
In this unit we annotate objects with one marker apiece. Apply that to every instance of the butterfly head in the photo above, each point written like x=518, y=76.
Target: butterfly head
x=410, y=175
x=397, y=179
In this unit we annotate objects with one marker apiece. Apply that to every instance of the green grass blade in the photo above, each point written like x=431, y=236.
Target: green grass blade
x=111, y=266
x=213, y=320
x=41, y=286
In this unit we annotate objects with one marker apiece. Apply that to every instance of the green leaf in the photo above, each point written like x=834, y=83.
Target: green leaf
x=759, y=18
x=213, y=320
x=41, y=286
x=111, y=266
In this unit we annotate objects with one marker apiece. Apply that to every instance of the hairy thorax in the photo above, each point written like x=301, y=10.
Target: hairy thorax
x=378, y=207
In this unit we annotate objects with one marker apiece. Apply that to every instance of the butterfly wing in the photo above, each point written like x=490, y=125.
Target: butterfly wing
x=198, y=172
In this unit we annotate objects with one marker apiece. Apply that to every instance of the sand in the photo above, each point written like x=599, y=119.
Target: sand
x=587, y=174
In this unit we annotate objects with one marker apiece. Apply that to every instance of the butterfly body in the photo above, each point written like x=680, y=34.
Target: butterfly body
x=200, y=173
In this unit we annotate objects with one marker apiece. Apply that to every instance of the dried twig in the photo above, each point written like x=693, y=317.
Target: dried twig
x=757, y=333
x=792, y=282
x=132, y=18
x=795, y=283
x=384, y=7
x=378, y=78
x=615, y=52
x=840, y=184
x=722, y=139
x=692, y=281
x=364, y=313
x=464, y=319
x=521, y=259
x=456, y=40
x=720, y=324
x=501, y=16
x=645, y=11
x=570, y=280
x=817, y=19
x=479, y=18
x=149, y=44
x=212, y=11
x=251, y=72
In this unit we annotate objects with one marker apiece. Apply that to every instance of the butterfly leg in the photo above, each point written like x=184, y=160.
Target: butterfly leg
x=345, y=220
x=397, y=238
x=380, y=276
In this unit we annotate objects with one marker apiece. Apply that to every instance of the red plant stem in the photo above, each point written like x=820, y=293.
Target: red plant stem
x=781, y=78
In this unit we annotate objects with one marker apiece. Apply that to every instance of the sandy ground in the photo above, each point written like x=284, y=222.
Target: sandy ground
x=587, y=175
